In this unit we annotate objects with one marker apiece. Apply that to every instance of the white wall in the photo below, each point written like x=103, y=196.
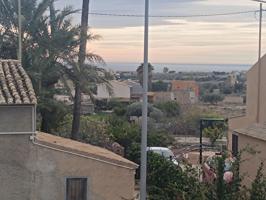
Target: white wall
x=120, y=90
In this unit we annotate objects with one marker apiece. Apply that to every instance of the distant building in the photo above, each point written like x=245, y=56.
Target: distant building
x=136, y=90
x=118, y=90
x=183, y=97
x=250, y=130
x=233, y=99
x=178, y=85
x=232, y=79
x=87, y=107
x=40, y=166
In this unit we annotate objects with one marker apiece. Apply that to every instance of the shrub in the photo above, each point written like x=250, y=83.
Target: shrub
x=170, y=108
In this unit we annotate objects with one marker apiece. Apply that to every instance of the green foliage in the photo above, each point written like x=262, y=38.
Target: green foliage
x=93, y=130
x=167, y=181
x=159, y=86
x=213, y=133
x=120, y=111
x=162, y=178
x=188, y=122
x=258, y=189
x=135, y=109
x=212, y=98
x=170, y=108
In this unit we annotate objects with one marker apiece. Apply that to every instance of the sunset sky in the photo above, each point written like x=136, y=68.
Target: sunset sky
x=200, y=40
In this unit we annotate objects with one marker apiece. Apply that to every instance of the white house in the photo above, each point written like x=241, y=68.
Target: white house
x=120, y=91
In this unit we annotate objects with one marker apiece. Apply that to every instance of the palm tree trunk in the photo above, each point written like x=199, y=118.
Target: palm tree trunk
x=76, y=113
x=82, y=54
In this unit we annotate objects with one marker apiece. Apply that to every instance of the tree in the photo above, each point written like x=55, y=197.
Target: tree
x=81, y=60
x=135, y=109
x=47, y=39
x=165, y=70
x=258, y=188
x=213, y=133
x=159, y=86
x=170, y=108
x=167, y=181
x=140, y=75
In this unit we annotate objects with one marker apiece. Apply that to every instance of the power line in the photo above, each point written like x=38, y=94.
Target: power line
x=175, y=16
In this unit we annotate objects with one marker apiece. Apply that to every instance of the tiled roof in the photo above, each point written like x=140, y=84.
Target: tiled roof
x=257, y=131
x=15, y=84
x=83, y=149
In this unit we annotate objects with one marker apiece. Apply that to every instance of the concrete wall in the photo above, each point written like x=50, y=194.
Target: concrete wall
x=252, y=163
x=252, y=101
x=262, y=109
x=236, y=123
x=120, y=90
x=252, y=92
x=30, y=172
x=16, y=119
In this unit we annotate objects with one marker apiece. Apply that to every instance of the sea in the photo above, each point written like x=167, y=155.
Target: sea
x=158, y=67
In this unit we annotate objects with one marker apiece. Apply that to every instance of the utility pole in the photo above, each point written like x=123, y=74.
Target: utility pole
x=144, y=130
x=259, y=67
x=19, y=32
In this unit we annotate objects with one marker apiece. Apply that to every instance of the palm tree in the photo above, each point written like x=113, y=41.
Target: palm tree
x=46, y=41
x=140, y=75
x=81, y=60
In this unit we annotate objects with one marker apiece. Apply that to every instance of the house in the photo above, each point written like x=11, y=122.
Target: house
x=40, y=166
x=250, y=130
x=178, y=85
x=118, y=90
x=87, y=107
x=136, y=90
x=183, y=97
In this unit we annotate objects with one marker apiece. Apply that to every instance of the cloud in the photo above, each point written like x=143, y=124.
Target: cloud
x=221, y=39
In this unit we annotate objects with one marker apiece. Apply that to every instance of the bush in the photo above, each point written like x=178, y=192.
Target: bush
x=170, y=108
x=120, y=111
x=135, y=109
x=212, y=98
x=93, y=130
x=168, y=182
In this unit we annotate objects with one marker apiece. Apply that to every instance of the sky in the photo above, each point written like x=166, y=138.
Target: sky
x=199, y=40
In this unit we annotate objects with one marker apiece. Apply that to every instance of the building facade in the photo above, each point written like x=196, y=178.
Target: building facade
x=248, y=131
x=118, y=90
x=40, y=166
x=178, y=85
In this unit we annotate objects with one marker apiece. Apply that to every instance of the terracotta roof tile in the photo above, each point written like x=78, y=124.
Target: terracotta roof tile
x=83, y=149
x=15, y=84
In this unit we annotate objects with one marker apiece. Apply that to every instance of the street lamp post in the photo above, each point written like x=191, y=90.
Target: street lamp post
x=144, y=130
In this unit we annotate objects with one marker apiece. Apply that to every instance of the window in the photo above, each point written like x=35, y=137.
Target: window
x=76, y=189
x=234, y=144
